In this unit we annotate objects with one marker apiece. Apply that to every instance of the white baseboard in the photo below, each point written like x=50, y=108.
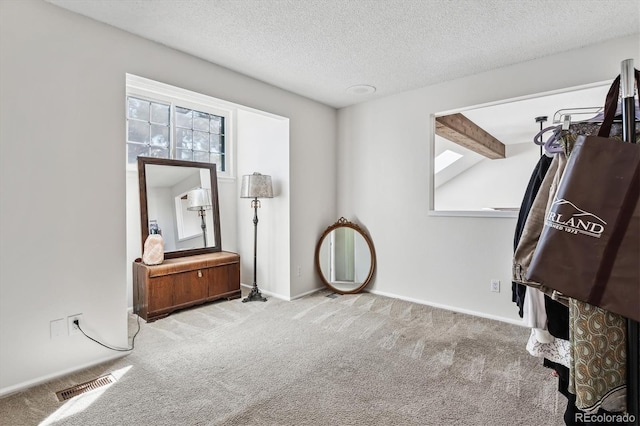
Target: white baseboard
x=280, y=296
x=408, y=299
x=267, y=292
x=450, y=308
x=306, y=293
x=43, y=379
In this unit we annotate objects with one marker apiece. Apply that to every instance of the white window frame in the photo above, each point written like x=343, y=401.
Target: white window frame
x=151, y=90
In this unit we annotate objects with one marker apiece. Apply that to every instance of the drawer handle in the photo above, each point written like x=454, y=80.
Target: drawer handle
x=199, y=273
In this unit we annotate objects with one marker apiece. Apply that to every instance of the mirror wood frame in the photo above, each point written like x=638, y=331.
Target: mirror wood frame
x=215, y=208
x=344, y=223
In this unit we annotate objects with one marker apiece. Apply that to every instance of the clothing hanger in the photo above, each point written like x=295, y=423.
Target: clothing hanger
x=551, y=145
x=617, y=119
x=562, y=121
x=561, y=115
x=537, y=139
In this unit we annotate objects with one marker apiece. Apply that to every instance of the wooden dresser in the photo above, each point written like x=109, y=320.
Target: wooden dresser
x=178, y=283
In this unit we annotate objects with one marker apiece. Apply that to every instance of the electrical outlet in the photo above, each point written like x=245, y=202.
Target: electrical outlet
x=495, y=286
x=73, y=329
x=58, y=328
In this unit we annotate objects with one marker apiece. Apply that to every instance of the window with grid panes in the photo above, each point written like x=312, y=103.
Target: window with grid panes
x=166, y=130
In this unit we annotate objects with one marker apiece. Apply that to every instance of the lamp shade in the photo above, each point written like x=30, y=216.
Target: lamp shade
x=198, y=199
x=256, y=186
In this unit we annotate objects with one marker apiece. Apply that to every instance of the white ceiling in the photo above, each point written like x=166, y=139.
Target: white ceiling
x=319, y=48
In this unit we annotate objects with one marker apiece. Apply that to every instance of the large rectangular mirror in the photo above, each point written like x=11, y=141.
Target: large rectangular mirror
x=179, y=200
x=483, y=156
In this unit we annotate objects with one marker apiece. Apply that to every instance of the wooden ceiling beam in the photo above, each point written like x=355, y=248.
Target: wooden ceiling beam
x=459, y=129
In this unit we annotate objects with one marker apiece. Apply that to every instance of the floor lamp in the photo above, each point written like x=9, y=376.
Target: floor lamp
x=255, y=186
x=198, y=200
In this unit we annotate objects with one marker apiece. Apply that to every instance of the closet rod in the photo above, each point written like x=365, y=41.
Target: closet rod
x=627, y=80
x=627, y=83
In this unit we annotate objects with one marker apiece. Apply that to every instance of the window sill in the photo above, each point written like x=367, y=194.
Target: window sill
x=473, y=213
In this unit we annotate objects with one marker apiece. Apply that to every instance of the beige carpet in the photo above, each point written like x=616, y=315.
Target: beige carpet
x=350, y=360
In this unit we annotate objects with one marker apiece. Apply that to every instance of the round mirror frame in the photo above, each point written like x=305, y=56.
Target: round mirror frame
x=344, y=223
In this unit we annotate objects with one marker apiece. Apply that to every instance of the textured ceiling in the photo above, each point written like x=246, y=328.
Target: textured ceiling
x=319, y=48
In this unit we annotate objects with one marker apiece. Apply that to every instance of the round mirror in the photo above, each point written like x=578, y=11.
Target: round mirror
x=345, y=257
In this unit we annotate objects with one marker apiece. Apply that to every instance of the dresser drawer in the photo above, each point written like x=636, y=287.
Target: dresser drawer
x=180, y=283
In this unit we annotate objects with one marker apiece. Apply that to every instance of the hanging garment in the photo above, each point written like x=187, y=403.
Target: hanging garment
x=533, y=226
x=548, y=347
x=598, y=358
x=557, y=318
x=534, y=311
x=518, y=291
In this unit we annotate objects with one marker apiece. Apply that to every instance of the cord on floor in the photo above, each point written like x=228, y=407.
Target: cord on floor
x=133, y=340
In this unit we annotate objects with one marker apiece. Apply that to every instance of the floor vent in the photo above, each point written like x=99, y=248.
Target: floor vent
x=332, y=295
x=76, y=390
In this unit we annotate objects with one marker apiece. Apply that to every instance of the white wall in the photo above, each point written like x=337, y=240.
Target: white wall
x=62, y=112
x=263, y=147
x=385, y=181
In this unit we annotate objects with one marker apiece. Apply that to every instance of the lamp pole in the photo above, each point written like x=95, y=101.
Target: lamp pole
x=255, y=294
x=203, y=225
